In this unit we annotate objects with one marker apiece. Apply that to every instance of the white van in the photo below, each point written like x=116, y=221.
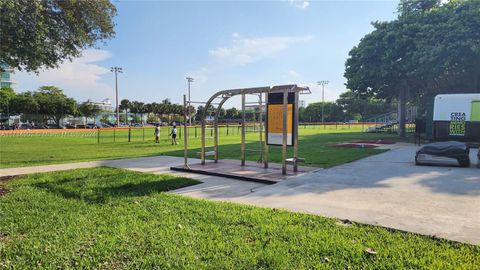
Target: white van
x=457, y=117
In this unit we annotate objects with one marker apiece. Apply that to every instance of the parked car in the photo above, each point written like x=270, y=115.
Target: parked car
x=81, y=126
x=25, y=126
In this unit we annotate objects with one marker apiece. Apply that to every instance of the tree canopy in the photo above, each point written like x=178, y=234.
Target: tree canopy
x=37, y=34
x=430, y=48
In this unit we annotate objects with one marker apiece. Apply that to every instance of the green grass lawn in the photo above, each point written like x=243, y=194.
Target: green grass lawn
x=107, y=218
x=20, y=151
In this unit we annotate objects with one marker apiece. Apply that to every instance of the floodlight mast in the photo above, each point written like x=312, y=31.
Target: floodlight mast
x=189, y=80
x=117, y=70
x=323, y=83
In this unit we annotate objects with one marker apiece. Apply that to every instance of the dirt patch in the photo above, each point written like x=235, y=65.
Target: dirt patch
x=375, y=141
x=3, y=191
x=4, y=179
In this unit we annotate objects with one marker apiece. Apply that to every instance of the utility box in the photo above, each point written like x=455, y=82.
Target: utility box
x=456, y=117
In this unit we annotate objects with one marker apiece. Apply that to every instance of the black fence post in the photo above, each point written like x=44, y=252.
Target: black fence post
x=129, y=133
x=98, y=135
x=143, y=135
x=114, y=133
x=195, y=131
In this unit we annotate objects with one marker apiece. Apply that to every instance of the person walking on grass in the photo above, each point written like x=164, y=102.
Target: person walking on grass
x=174, y=135
x=157, y=133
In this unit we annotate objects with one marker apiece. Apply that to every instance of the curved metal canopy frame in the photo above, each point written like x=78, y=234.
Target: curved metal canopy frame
x=227, y=94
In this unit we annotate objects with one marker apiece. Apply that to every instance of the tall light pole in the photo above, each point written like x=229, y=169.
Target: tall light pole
x=189, y=80
x=117, y=70
x=323, y=83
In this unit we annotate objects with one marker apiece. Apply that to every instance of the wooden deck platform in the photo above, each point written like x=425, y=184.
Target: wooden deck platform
x=252, y=171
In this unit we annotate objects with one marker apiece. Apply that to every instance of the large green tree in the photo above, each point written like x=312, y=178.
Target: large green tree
x=24, y=103
x=42, y=33
x=53, y=104
x=6, y=96
x=88, y=109
x=430, y=48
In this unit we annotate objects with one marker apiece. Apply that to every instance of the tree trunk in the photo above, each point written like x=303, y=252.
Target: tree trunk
x=402, y=110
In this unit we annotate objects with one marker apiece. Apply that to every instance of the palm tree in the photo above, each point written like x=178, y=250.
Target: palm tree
x=124, y=105
x=141, y=110
x=149, y=108
x=134, y=109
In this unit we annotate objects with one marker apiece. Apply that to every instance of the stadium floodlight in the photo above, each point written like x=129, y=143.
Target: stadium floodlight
x=323, y=83
x=117, y=70
x=189, y=80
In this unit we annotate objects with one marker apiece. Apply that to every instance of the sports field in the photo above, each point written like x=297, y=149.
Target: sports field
x=106, y=218
x=19, y=150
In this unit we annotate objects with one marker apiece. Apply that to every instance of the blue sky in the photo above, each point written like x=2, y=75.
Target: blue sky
x=222, y=44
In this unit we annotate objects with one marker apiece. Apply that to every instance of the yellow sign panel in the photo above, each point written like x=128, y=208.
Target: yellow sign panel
x=275, y=124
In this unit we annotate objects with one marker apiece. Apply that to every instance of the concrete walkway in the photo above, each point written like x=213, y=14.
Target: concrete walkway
x=386, y=190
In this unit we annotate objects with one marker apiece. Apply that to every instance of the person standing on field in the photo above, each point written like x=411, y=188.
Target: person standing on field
x=157, y=133
x=174, y=135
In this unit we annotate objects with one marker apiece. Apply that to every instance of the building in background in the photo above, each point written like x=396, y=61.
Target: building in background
x=104, y=105
x=5, y=78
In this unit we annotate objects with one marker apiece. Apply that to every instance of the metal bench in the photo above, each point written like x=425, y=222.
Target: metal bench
x=207, y=154
x=292, y=161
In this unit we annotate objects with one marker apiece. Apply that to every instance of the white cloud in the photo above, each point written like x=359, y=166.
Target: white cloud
x=244, y=51
x=299, y=3
x=80, y=77
x=80, y=72
x=293, y=73
x=200, y=76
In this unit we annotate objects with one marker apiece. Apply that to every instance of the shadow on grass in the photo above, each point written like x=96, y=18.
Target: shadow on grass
x=74, y=188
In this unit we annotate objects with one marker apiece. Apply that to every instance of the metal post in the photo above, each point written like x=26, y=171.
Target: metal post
x=260, y=118
x=129, y=133
x=265, y=145
x=243, y=129
x=116, y=98
x=114, y=134
x=284, y=137
x=295, y=133
x=117, y=70
x=98, y=136
x=202, y=154
x=189, y=80
x=185, y=138
x=143, y=135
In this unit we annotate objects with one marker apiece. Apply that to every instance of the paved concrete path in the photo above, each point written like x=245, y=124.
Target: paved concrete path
x=386, y=190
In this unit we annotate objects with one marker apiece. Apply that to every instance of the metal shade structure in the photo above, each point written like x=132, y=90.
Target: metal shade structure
x=221, y=97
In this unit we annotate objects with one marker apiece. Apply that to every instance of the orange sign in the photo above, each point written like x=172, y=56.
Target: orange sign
x=275, y=124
